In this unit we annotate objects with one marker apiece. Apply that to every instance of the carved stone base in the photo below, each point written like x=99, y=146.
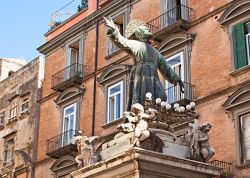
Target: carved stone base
x=147, y=164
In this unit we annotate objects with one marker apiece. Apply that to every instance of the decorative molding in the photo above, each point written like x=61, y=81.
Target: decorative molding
x=113, y=71
x=235, y=10
x=69, y=94
x=174, y=41
x=239, y=97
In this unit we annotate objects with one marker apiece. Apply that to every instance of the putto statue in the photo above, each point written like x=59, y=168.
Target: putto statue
x=198, y=140
x=85, y=149
x=137, y=122
x=143, y=77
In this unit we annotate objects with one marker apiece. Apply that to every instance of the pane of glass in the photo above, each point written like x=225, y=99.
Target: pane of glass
x=248, y=44
x=248, y=27
x=70, y=110
x=118, y=106
x=175, y=61
x=115, y=89
x=246, y=135
x=111, y=108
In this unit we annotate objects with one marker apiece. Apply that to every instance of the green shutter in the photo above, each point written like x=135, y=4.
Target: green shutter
x=240, y=53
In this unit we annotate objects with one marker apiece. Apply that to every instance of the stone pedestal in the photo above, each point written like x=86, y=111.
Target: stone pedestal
x=139, y=163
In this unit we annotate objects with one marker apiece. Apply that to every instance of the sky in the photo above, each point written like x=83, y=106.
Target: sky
x=23, y=24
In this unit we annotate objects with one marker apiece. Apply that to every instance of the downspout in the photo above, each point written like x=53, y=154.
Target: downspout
x=95, y=75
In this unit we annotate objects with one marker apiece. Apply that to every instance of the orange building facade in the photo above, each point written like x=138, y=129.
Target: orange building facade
x=86, y=77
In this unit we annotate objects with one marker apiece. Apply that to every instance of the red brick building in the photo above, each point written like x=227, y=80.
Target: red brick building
x=86, y=76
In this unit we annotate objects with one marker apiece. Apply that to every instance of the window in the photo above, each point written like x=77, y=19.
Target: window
x=25, y=105
x=245, y=138
x=9, y=150
x=241, y=40
x=173, y=92
x=119, y=22
x=237, y=107
x=2, y=115
x=69, y=124
x=115, y=101
x=173, y=11
x=13, y=112
x=74, y=58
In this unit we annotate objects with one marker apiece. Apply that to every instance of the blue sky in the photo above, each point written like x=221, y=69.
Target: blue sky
x=23, y=24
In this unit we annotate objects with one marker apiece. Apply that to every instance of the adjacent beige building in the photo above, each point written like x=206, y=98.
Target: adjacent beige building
x=18, y=116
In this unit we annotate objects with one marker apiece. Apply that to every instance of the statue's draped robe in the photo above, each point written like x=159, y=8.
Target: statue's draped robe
x=144, y=77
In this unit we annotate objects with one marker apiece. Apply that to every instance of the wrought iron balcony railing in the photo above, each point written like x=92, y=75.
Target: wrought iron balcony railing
x=226, y=167
x=69, y=76
x=61, y=144
x=174, y=94
x=169, y=18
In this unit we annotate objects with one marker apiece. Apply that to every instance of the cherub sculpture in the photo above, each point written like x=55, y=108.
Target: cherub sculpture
x=144, y=76
x=198, y=140
x=85, y=150
x=137, y=121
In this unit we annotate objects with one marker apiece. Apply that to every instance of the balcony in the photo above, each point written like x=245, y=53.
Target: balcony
x=174, y=20
x=68, y=77
x=103, y=2
x=61, y=145
x=226, y=170
x=174, y=94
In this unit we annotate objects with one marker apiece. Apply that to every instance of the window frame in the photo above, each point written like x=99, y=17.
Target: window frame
x=182, y=73
x=121, y=92
x=125, y=16
x=68, y=48
x=242, y=145
x=25, y=101
x=2, y=117
x=7, y=148
x=10, y=113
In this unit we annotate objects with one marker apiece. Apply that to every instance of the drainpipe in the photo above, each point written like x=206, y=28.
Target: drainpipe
x=95, y=69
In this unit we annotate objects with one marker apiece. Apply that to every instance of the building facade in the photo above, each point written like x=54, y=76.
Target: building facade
x=86, y=76
x=18, y=112
x=8, y=66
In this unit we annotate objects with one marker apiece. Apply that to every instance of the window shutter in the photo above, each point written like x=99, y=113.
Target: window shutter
x=240, y=55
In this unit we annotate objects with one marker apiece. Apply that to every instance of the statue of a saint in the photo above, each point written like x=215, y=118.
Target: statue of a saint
x=144, y=76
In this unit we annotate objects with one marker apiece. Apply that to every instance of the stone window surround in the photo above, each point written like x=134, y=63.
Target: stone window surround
x=68, y=97
x=125, y=14
x=112, y=75
x=174, y=44
x=238, y=12
x=64, y=166
x=117, y=83
x=8, y=137
x=237, y=105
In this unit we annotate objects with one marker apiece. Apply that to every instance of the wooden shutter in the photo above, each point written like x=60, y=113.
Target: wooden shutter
x=240, y=55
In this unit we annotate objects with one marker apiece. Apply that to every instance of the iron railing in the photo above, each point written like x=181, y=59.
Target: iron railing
x=75, y=70
x=174, y=93
x=60, y=141
x=170, y=17
x=226, y=167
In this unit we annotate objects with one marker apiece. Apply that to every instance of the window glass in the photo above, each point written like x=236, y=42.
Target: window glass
x=69, y=124
x=9, y=149
x=2, y=115
x=173, y=92
x=115, y=101
x=13, y=112
x=245, y=129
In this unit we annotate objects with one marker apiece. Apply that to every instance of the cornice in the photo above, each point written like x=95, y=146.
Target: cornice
x=84, y=25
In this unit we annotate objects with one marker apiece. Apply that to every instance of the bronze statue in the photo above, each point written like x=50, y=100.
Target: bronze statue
x=144, y=76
